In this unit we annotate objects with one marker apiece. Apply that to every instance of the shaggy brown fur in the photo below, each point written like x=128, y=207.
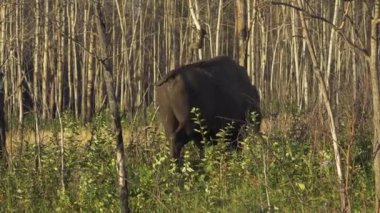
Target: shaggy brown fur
x=219, y=87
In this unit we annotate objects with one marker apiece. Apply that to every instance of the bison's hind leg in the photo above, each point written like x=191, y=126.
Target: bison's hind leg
x=178, y=140
x=172, y=128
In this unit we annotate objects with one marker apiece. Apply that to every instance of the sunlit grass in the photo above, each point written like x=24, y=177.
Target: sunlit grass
x=280, y=171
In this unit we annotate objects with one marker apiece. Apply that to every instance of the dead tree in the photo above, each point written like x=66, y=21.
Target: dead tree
x=3, y=147
x=241, y=30
x=113, y=108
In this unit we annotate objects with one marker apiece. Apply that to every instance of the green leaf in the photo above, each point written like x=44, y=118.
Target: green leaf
x=301, y=186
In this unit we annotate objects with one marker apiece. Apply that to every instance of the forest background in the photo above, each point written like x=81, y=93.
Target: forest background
x=316, y=64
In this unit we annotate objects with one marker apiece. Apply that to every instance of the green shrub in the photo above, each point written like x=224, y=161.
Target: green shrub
x=280, y=172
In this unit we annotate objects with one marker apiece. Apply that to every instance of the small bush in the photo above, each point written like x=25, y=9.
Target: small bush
x=277, y=172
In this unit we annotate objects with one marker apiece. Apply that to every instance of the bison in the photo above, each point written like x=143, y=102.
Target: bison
x=218, y=87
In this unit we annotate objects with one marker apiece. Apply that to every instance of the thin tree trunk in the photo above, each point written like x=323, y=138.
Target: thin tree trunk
x=2, y=33
x=140, y=73
x=331, y=44
x=131, y=63
x=3, y=145
x=61, y=150
x=296, y=60
x=85, y=57
x=70, y=22
x=45, y=91
x=90, y=79
x=35, y=94
x=198, y=43
x=36, y=55
x=155, y=59
x=263, y=59
x=305, y=88
x=241, y=30
x=251, y=16
x=217, y=37
x=20, y=49
x=60, y=57
x=74, y=59
x=326, y=101
x=114, y=110
x=124, y=58
x=272, y=70
x=374, y=72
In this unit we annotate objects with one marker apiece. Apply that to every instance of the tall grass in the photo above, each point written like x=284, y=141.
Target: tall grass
x=277, y=172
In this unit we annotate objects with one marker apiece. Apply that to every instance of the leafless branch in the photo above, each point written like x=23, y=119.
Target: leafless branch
x=339, y=29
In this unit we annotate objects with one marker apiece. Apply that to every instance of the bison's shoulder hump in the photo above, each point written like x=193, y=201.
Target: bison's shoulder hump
x=219, y=60
x=216, y=61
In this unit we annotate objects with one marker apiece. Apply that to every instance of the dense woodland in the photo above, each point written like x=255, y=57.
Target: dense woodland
x=315, y=63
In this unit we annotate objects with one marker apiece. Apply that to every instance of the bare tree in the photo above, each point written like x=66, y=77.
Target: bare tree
x=374, y=72
x=327, y=103
x=53, y=55
x=113, y=107
x=200, y=32
x=72, y=56
x=35, y=94
x=20, y=49
x=60, y=32
x=241, y=30
x=85, y=63
x=333, y=42
x=3, y=145
x=89, y=109
x=45, y=73
x=217, y=36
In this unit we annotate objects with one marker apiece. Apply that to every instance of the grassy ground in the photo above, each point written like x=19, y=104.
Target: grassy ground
x=290, y=169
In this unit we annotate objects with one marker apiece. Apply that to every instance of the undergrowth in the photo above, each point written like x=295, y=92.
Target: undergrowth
x=276, y=172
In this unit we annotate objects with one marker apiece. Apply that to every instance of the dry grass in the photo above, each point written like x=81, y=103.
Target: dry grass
x=46, y=136
x=281, y=123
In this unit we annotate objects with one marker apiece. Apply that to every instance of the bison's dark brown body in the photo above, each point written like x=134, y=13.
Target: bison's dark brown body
x=219, y=87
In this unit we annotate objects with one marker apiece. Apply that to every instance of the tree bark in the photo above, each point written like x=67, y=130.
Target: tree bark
x=20, y=50
x=374, y=73
x=198, y=42
x=331, y=44
x=3, y=145
x=217, y=36
x=90, y=79
x=241, y=30
x=295, y=49
x=85, y=70
x=36, y=77
x=326, y=101
x=113, y=108
x=72, y=57
x=2, y=32
x=45, y=91
x=60, y=54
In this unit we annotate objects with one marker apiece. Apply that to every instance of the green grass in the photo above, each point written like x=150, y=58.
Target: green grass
x=278, y=172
